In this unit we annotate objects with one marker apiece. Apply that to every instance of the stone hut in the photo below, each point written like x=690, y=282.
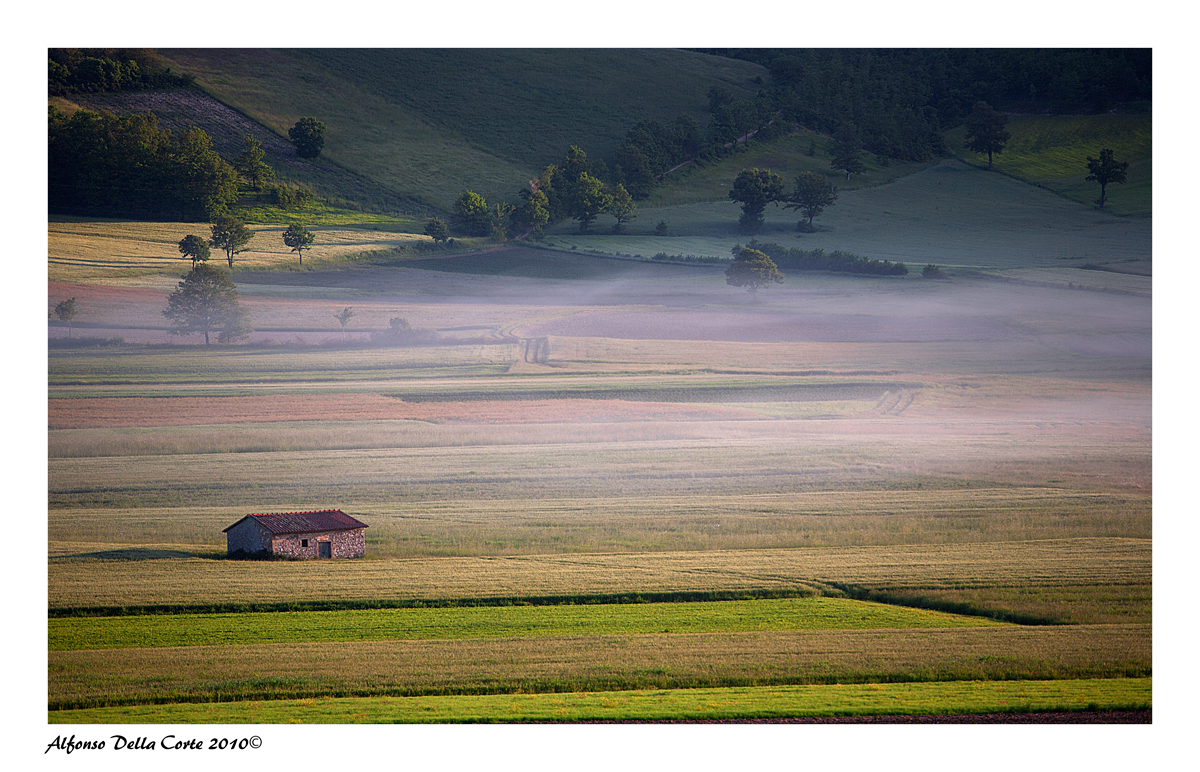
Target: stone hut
x=329, y=533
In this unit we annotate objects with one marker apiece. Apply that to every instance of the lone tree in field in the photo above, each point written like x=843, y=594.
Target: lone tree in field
x=985, y=130
x=207, y=301
x=231, y=235
x=195, y=248
x=752, y=269
x=1107, y=171
x=344, y=318
x=436, y=229
x=308, y=135
x=812, y=194
x=250, y=163
x=65, y=311
x=754, y=189
x=846, y=151
x=299, y=239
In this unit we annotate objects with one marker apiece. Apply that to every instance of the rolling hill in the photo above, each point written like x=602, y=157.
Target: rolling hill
x=429, y=124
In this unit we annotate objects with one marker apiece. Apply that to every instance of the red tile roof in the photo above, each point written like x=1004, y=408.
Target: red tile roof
x=305, y=522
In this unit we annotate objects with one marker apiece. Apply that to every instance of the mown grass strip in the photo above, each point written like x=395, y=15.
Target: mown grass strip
x=581, y=663
x=490, y=622
x=771, y=702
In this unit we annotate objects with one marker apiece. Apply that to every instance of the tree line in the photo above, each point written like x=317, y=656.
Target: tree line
x=126, y=165
x=902, y=99
x=90, y=70
x=104, y=164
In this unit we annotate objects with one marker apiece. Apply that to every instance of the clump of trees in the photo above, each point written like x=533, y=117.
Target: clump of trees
x=754, y=189
x=206, y=301
x=574, y=190
x=90, y=70
x=107, y=165
x=796, y=259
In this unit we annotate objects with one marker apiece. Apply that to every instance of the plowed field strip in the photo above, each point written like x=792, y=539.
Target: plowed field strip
x=104, y=412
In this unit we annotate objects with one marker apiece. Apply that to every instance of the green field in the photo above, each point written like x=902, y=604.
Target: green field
x=762, y=702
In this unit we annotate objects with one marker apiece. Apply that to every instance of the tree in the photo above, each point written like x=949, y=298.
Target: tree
x=231, y=235
x=621, y=206
x=1106, y=170
x=344, y=318
x=846, y=150
x=65, y=311
x=590, y=199
x=250, y=163
x=308, y=135
x=985, y=130
x=535, y=212
x=207, y=301
x=752, y=269
x=471, y=215
x=195, y=248
x=500, y=220
x=812, y=194
x=754, y=189
x=435, y=228
x=299, y=239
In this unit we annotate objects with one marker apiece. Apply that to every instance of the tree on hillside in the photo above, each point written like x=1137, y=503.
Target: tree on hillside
x=754, y=189
x=535, y=212
x=308, y=135
x=344, y=318
x=207, y=301
x=985, y=130
x=621, y=206
x=1106, y=170
x=590, y=199
x=250, y=163
x=231, y=235
x=847, y=150
x=813, y=192
x=435, y=228
x=65, y=311
x=195, y=248
x=471, y=215
x=752, y=269
x=299, y=239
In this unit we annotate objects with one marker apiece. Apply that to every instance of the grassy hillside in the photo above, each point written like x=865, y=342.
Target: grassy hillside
x=1052, y=151
x=432, y=123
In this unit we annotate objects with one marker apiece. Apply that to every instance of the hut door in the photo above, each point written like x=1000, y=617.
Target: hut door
x=324, y=549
